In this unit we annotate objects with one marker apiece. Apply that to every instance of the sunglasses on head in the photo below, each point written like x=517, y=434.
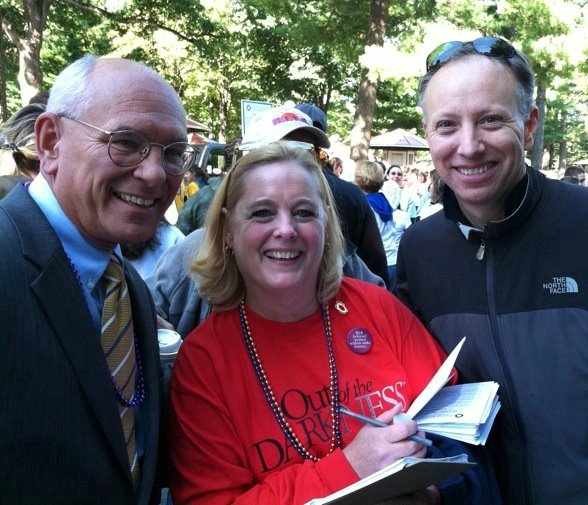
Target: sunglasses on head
x=10, y=147
x=296, y=144
x=246, y=148
x=487, y=46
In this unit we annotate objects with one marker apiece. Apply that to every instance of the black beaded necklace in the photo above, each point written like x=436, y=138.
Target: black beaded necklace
x=269, y=394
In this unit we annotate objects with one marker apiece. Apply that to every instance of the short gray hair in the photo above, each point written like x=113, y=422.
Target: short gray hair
x=369, y=176
x=72, y=93
x=69, y=93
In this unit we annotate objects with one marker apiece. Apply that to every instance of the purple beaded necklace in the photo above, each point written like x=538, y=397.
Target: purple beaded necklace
x=138, y=396
x=269, y=394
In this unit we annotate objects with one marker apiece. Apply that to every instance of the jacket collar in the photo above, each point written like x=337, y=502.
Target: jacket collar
x=68, y=315
x=519, y=203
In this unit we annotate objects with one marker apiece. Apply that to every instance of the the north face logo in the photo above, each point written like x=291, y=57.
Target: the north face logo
x=561, y=285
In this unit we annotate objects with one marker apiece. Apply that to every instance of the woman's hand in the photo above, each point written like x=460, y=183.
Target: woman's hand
x=374, y=448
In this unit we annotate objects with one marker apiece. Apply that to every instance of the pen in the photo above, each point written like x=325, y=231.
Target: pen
x=380, y=424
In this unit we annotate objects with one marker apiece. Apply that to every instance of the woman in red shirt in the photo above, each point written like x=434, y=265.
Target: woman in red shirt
x=257, y=388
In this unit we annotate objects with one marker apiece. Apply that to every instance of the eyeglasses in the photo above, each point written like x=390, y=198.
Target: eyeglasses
x=487, y=46
x=395, y=174
x=127, y=148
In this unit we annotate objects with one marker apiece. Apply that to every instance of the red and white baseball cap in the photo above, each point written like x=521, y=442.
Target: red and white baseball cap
x=274, y=124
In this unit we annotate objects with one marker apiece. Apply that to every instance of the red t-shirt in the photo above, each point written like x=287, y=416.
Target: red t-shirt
x=225, y=444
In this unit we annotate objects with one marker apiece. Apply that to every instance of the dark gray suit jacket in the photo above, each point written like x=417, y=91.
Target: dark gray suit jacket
x=61, y=440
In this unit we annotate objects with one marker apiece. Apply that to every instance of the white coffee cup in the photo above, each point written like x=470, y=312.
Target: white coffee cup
x=169, y=344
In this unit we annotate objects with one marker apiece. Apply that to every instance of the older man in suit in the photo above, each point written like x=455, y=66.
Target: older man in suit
x=80, y=379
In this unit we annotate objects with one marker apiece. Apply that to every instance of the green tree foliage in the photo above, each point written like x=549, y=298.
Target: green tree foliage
x=565, y=120
x=218, y=52
x=62, y=42
x=397, y=105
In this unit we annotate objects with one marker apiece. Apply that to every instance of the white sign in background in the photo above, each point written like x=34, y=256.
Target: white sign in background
x=249, y=108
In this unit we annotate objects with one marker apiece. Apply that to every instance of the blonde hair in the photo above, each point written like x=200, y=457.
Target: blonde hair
x=19, y=152
x=369, y=176
x=215, y=267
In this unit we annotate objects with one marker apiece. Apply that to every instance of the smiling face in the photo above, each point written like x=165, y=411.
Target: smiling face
x=110, y=204
x=277, y=233
x=476, y=135
x=395, y=174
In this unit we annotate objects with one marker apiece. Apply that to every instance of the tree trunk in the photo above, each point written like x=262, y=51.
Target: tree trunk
x=537, y=151
x=30, y=77
x=3, y=106
x=563, y=151
x=563, y=145
x=366, y=99
x=328, y=95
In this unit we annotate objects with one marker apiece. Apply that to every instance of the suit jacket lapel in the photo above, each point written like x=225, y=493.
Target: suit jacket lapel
x=70, y=318
x=60, y=295
x=144, y=323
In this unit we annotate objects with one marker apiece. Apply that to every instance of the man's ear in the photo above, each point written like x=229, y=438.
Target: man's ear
x=47, y=133
x=530, y=128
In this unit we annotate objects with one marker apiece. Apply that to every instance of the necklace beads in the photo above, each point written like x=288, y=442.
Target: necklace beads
x=270, y=396
x=138, y=396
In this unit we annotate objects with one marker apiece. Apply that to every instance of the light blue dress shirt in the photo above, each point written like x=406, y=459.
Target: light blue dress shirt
x=88, y=261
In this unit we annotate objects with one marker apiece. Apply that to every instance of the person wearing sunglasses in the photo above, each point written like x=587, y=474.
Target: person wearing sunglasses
x=257, y=389
x=576, y=172
x=505, y=264
x=369, y=177
x=391, y=187
x=80, y=375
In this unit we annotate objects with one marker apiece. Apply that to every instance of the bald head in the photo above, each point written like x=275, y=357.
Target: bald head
x=99, y=110
x=92, y=79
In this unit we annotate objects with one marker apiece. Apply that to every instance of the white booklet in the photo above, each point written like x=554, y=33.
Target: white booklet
x=464, y=412
x=437, y=382
x=405, y=476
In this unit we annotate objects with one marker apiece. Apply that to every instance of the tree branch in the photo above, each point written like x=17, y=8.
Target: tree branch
x=135, y=20
x=11, y=33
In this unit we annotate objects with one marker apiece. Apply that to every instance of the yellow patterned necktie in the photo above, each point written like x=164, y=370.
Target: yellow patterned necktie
x=119, y=350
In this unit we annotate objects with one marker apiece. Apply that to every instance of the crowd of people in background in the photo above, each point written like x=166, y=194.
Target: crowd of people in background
x=411, y=192
x=360, y=273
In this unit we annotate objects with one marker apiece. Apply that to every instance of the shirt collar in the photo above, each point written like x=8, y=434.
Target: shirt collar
x=89, y=261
